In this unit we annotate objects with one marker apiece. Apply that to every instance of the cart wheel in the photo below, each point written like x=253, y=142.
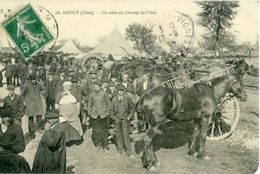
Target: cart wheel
x=225, y=119
x=93, y=63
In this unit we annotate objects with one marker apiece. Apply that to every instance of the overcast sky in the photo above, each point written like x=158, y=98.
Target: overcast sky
x=87, y=29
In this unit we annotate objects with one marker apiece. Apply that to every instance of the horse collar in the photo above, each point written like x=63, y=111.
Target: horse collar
x=176, y=99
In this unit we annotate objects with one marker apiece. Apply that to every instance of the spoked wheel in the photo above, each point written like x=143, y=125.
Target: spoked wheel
x=93, y=63
x=225, y=119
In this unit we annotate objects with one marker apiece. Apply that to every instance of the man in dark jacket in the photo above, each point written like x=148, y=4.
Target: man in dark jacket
x=12, y=129
x=51, y=87
x=125, y=81
x=16, y=73
x=15, y=102
x=51, y=152
x=98, y=109
x=41, y=73
x=143, y=86
x=122, y=110
x=9, y=72
x=78, y=92
x=22, y=71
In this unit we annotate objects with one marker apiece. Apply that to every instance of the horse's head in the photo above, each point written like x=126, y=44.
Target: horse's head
x=240, y=68
x=232, y=84
x=237, y=88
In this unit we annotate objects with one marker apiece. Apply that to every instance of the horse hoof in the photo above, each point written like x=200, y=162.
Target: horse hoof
x=195, y=154
x=153, y=168
x=158, y=164
x=200, y=156
x=206, y=158
x=192, y=153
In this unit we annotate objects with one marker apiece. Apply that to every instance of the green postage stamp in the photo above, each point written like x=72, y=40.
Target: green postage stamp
x=27, y=31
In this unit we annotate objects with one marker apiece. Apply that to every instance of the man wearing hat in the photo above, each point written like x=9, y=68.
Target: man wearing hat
x=9, y=72
x=61, y=76
x=12, y=129
x=15, y=102
x=122, y=110
x=98, y=109
x=30, y=71
x=31, y=92
x=16, y=73
x=112, y=91
x=41, y=73
x=125, y=81
x=78, y=92
x=89, y=86
x=11, y=162
x=105, y=85
x=50, y=156
x=22, y=71
x=51, y=88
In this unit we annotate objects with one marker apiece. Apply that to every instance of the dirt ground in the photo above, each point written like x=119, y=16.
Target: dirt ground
x=237, y=154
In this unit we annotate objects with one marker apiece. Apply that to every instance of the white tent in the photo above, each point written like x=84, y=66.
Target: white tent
x=114, y=44
x=70, y=47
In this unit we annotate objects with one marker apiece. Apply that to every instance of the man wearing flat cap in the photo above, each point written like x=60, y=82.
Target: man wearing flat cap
x=15, y=102
x=98, y=109
x=50, y=156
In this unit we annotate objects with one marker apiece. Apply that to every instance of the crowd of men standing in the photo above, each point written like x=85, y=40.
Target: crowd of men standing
x=61, y=100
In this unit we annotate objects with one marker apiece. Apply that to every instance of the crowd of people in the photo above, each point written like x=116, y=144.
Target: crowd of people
x=63, y=102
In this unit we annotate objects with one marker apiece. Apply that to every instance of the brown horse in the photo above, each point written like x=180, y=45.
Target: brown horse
x=196, y=103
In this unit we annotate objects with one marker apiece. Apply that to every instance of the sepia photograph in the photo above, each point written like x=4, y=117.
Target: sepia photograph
x=129, y=87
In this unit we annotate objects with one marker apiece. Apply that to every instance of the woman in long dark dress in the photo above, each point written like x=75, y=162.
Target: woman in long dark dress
x=51, y=152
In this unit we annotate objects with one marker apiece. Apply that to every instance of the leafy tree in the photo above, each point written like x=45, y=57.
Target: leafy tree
x=216, y=17
x=143, y=38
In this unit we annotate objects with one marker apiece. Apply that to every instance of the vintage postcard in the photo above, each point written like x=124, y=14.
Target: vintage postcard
x=122, y=87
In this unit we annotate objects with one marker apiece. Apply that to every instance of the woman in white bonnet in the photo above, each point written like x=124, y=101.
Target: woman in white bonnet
x=69, y=108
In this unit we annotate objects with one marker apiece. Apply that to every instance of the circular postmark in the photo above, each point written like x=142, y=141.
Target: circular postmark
x=51, y=23
x=174, y=33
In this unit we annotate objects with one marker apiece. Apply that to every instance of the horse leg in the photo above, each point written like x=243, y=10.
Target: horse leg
x=205, y=118
x=149, y=159
x=194, y=145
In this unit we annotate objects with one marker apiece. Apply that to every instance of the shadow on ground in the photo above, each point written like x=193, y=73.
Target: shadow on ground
x=173, y=135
